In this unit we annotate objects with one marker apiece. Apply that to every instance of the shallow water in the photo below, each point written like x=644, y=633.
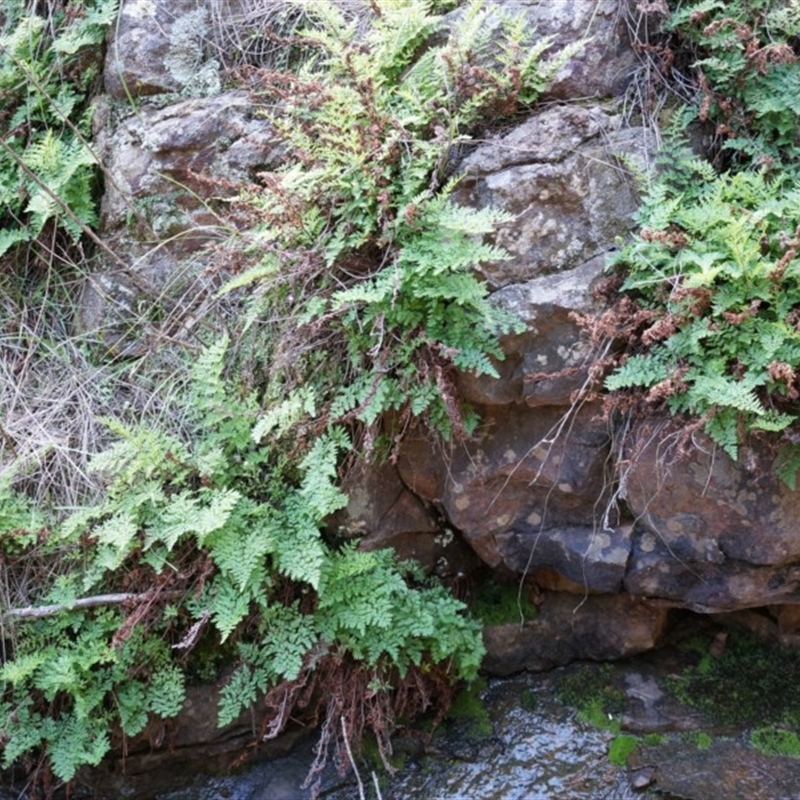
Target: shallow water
x=538, y=750
x=522, y=743
x=528, y=745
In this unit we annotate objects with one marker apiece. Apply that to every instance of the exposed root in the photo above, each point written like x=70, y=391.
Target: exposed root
x=349, y=700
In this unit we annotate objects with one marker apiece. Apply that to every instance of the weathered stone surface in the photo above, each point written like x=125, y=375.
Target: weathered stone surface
x=517, y=475
x=593, y=558
x=705, y=507
x=547, y=363
x=727, y=768
x=570, y=628
x=384, y=513
x=712, y=534
x=605, y=62
x=561, y=179
x=158, y=46
x=167, y=165
x=655, y=570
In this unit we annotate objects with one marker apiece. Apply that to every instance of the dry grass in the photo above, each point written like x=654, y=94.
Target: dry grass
x=254, y=32
x=56, y=387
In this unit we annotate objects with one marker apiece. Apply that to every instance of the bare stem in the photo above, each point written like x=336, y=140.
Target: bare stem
x=352, y=761
x=39, y=612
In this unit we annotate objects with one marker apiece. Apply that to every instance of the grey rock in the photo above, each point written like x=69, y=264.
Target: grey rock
x=605, y=63
x=565, y=179
x=384, y=513
x=159, y=46
x=703, y=585
x=569, y=628
x=109, y=311
x=593, y=558
x=169, y=166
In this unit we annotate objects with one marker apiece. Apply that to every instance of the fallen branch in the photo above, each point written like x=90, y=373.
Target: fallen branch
x=39, y=612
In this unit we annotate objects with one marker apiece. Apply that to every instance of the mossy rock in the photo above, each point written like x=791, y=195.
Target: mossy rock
x=501, y=603
x=750, y=685
x=590, y=689
x=469, y=712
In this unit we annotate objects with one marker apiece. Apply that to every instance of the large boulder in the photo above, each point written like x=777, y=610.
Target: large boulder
x=563, y=177
x=712, y=532
x=569, y=628
x=168, y=166
x=159, y=46
x=527, y=471
x=705, y=506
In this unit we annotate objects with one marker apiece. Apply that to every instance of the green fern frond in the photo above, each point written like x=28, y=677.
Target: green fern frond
x=166, y=691
x=723, y=428
x=638, y=371
x=279, y=418
x=75, y=742
x=191, y=513
x=787, y=464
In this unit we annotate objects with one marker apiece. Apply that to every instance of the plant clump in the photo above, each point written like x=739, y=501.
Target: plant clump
x=712, y=277
x=358, y=304
x=744, y=687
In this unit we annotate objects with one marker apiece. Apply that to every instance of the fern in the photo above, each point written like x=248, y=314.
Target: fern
x=723, y=428
x=26, y=735
x=46, y=71
x=287, y=639
x=239, y=549
x=281, y=417
x=240, y=693
x=187, y=513
x=167, y=691
x=367, y=177
x=724, y=241
x=787, y=464
x=638, y=370
x=76, y=742
x=217, y=536
x=132, y=705
x=300, y=552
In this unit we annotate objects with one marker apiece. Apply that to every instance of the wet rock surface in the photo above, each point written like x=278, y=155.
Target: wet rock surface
x=570, y=627
x=555, y=734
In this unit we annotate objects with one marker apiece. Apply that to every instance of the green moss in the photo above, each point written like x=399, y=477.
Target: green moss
x=620, y=748
x=699, y=739
x=594, y=713
x=654, y=739
x=776, y=742
x=528, y=699
x=468, y=709
x=501, y=603
x=749, y=685
x=590, y=690
x=371, y=756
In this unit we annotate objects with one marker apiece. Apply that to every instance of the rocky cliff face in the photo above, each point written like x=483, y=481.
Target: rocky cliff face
x=617, y=518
